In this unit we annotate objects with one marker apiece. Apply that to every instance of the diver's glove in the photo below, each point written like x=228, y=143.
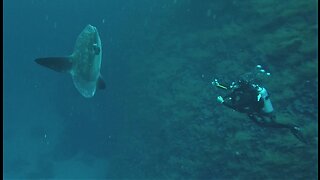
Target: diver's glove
x=220, y=99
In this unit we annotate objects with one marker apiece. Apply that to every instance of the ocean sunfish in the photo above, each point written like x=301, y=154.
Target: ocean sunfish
x=83, y=64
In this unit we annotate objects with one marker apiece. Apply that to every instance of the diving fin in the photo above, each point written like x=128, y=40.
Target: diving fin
x=295, y=130
x=59, y=64
x=100, y=83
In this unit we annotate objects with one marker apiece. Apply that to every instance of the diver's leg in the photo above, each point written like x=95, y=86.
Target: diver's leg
x=256, y=120
x=261, y=121
x=275, y=124
x=295, y=130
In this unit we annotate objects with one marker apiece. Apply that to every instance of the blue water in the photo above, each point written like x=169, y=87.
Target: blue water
x=50, y=130
x=157, y=117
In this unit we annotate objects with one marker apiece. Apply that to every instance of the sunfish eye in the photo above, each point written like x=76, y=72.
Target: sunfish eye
x=96, y=49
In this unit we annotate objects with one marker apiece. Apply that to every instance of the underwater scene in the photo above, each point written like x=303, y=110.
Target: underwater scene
x=160, y=89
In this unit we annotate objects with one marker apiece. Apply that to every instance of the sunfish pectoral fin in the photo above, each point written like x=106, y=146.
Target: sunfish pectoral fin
x=100, y=83
x=59, y=64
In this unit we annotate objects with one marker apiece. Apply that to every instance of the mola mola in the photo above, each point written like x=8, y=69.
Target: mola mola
x=83, y=64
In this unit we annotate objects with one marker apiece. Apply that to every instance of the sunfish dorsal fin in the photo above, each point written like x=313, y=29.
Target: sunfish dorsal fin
x=59, y=64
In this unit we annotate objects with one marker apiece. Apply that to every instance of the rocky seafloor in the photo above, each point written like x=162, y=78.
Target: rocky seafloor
x=177, y=130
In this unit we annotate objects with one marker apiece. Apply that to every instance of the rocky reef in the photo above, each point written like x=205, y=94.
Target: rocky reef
x=180, y=132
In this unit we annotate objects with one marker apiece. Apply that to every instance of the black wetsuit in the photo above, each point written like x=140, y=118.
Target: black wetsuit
x=244, y=99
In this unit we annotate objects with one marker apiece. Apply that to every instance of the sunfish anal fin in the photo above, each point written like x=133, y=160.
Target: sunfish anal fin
x=59, y=64
x=100, y=83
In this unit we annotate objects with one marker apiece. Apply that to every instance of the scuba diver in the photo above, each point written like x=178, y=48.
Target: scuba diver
x=253, y=100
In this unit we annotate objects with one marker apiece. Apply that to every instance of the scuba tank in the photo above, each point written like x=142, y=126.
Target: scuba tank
x=267, y=105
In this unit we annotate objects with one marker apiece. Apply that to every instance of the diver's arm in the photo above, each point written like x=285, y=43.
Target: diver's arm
x=221, y=100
